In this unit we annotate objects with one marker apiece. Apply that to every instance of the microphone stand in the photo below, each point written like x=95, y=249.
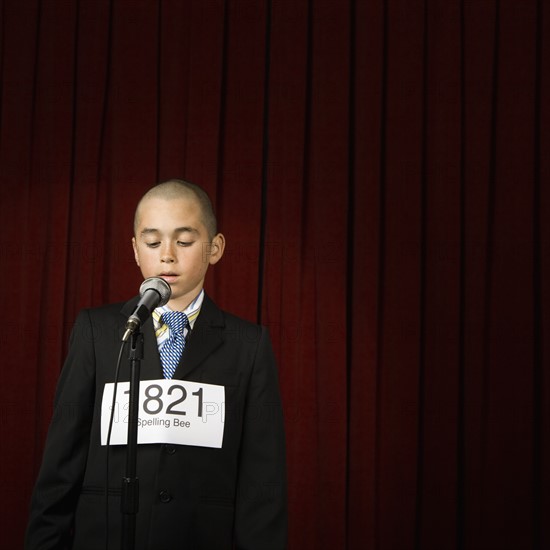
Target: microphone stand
x=129, y=502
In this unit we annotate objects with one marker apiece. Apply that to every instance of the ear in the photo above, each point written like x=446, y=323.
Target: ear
x=134, y=246
x=217, y=246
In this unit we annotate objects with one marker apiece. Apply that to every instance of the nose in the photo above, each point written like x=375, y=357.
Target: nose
x=167, y=254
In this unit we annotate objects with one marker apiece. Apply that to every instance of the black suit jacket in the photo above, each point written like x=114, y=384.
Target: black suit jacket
x=190, y=497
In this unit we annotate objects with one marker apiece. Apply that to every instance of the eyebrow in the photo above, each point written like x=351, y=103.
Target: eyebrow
x=152, y=230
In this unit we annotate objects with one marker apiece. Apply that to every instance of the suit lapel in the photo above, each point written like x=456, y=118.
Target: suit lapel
x=206, y=336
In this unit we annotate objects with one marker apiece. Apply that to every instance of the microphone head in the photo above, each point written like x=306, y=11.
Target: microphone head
x=158, y=284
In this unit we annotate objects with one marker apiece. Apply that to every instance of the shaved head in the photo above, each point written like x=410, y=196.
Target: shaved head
x=179, y=189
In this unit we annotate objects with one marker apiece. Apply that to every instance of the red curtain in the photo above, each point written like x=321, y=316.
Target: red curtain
x=380, y=170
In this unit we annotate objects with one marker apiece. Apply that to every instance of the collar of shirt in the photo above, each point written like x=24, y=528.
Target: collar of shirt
x=162, y=332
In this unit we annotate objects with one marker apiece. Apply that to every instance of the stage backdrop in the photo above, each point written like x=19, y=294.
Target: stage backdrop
x=381, y=172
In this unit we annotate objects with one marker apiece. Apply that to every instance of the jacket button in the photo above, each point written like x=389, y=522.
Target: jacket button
x=165, y=497
x=170, y=449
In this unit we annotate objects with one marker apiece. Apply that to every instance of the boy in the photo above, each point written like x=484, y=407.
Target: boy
x=222, y=496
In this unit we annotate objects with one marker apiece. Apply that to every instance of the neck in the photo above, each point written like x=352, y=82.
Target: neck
x=181, y=303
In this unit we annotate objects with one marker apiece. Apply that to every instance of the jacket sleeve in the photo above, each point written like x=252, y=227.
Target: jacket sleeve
x=261, y=506
x=58, y=484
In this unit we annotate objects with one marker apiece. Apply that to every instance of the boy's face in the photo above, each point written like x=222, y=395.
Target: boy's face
x=172, y=242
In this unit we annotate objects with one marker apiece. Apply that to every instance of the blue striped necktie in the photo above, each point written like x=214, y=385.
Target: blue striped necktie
x=172, y=349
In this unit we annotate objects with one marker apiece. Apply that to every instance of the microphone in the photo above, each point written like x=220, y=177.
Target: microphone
x=154, y=292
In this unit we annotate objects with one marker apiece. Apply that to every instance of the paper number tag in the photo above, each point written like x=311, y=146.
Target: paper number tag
x=170, y=411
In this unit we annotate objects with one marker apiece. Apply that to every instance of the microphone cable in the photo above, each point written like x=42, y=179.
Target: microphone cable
x=108, y=446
